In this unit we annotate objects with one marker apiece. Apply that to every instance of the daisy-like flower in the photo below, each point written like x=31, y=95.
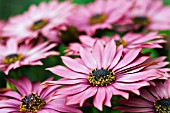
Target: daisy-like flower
x=87, y=42
x=14, y=55
x=129, y=41
x=45, y=19
x=33, y=98
x=134, y=40
x=150, y=14
x=155, y=99
x=104, y=72
x=99, y=15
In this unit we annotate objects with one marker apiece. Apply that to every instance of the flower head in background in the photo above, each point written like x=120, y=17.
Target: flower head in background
x=87, y=42
x=14, y=55
x=99, y=15
x=155, y=99
x=33, y=98
x=45, y=19
x=139, y=40
x=129, y=41
x=104, y=72
x=150, y=14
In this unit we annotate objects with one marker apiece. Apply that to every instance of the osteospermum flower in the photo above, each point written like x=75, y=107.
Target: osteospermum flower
x=13, y=55
x=155, y=99
x=150, y=14
x=129, y=41
x=46, y=19
x=33, y=98
x=87, y=42
x=104, y=72
x=99, y=15
x=134, y=40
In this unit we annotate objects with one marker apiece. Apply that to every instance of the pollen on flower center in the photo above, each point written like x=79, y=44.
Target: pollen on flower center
x=31, y=103
x=141, y=20
x=12, y=58
x=97, y=18
x=162, y=106
x=39, y=24
x=101, y=77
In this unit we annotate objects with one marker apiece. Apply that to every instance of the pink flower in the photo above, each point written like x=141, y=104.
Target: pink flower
x=87, y=42
x=104, y=72
x=134, y=40
x=45, y=19
x=99, y=15
x=150, y=14
x=14, y=55
x=33, y=98
x=129, y=41
x=155, y=99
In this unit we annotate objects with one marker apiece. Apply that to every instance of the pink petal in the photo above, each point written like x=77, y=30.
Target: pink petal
x=88, y=58
x=128, y=58
x=97, y=52
x=108, y=54
x=12, y=45
x=148, y=96
x=74, y=65
x=108, y=97
x=117, y=57
x=99, y=98
x=66, y=73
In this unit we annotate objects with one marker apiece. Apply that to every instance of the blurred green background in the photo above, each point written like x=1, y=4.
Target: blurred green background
x=13, y=7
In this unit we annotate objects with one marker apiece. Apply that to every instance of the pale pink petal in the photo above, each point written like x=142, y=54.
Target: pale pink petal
x=72, y=64
x=99, y=98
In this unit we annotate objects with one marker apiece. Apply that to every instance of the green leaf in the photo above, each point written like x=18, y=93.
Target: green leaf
x=13, y=7
x=169, y=55
x=166, y=2
x=82, y=1
x=2, y=79
x=152, y=51
x=9, y=85
x=166, y=32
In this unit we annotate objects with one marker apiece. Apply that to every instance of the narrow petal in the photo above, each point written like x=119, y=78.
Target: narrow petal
x=88, y=58
x=99, y=98
x=97, y=52
x=74, y=65
x=128, y=58
x=108, y=54
x=66, y=73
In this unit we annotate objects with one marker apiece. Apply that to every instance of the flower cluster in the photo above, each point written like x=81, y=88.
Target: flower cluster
x=102, y=50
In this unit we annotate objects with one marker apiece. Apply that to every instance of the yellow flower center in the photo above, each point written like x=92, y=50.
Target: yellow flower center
x=12, y=58
x=31, y=103
x=97, y=18
x=39, y=24
x=101, y=77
